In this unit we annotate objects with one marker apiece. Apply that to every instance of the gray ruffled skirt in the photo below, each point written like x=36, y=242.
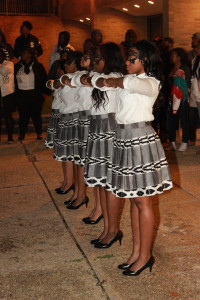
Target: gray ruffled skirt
x=52, y=128
x=66, y=141
x=99, y=149
x=138, y=166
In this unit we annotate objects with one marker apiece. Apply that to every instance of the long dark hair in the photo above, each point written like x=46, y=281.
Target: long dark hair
x=72, y=56
x=149, y=55
x=184, y=60
x=66, y=35
x=112, y=56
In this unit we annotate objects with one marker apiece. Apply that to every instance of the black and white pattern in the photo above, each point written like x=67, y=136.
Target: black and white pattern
x=99, y=149
x=52, y=128
x=138, y=166
x=83, y=130
x=66, y=141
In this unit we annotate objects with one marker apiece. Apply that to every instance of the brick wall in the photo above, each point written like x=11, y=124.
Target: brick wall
x=184, y=20
x=114, y=24
x=46, y=29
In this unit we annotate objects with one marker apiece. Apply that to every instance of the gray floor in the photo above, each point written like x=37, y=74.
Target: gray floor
x=45, y=251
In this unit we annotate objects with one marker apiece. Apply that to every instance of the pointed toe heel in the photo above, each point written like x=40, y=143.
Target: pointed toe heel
x=149, y=265
x=85, y=201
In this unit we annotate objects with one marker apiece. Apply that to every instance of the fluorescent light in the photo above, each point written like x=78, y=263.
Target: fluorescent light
x=81, y=20
x=136, y=5
x=151, y=2
x=125, y=9
x=88, y=19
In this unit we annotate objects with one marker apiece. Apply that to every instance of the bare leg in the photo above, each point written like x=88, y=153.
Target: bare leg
x=67, y=167
x=146, y=227
x=104, y=212
x=113, y=211
x=80, y=187
x=97, y=211
x=134, y=213
x=74, y=196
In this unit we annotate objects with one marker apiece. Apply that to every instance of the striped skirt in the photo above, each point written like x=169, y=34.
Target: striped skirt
x=66, y=142
x=52, y=128
x=83, y=130
x=99, y=149
x=138, y=166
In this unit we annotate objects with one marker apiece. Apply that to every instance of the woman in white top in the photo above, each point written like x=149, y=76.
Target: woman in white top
x=63, y=44
x=102, y=125
x=30, y=82
x=138, y=168
x=7, y=88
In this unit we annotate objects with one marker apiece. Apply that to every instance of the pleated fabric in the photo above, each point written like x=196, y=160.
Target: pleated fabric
x=99, y=149
x=52, y=128
x=83, y=131
x=138, y=166
x=66, y=141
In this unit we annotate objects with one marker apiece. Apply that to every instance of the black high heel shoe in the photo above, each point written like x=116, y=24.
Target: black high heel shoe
x=93, y=221
x=85, y=201
x=68, y=202
x=85, y=219
x=125, y=266
x=118, y=237
x=96, y=241
x=61, y=192
x=149, y=265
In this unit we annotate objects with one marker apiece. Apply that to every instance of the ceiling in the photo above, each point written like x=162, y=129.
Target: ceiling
x=145, y=8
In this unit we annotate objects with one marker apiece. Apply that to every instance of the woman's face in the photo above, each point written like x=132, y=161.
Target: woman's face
x=134, y=64
x=174, y=57
x=85, y=61
x=70, y=68
x=98, y=62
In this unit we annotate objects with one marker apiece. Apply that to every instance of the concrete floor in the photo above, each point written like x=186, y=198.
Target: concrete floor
x=45, y=250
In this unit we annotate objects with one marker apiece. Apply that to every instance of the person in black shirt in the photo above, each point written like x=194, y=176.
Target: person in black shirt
x=27, y=40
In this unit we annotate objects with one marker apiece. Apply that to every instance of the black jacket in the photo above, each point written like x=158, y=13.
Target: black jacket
x=40, y=77
x=30, y=41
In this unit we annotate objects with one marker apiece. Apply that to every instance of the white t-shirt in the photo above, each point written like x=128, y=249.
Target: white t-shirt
x=7, y=86
x=25, y=81
x=84, y=93
x=110, y=104
x=135, y=102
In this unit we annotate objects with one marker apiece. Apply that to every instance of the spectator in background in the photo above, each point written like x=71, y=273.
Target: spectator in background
x=63, y=44
x=7, y=48
x=30, y=80
x=180, y=77
x=195, y=42
x=27, y=40
x=130, y=39
x=87, y=46
x=194, y=99
x=55, y=68
x=7, y=104
x=97, y=37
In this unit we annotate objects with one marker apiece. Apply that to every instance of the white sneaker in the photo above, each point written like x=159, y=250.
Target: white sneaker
x=183, y=147
x=172, y=147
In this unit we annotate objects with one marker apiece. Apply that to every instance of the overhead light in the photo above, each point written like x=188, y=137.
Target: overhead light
x=125, y=9
x=136, y=5
x=88, y=19
x=81, y=20
x=151, y=2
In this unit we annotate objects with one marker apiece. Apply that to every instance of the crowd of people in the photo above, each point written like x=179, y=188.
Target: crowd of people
x=112, y=107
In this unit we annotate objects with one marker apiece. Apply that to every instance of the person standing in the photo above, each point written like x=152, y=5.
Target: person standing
x=30, y=80
x=27, y=40
x=195, y=43
x=7, y=104
x=7, y=48
x=63, y=44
